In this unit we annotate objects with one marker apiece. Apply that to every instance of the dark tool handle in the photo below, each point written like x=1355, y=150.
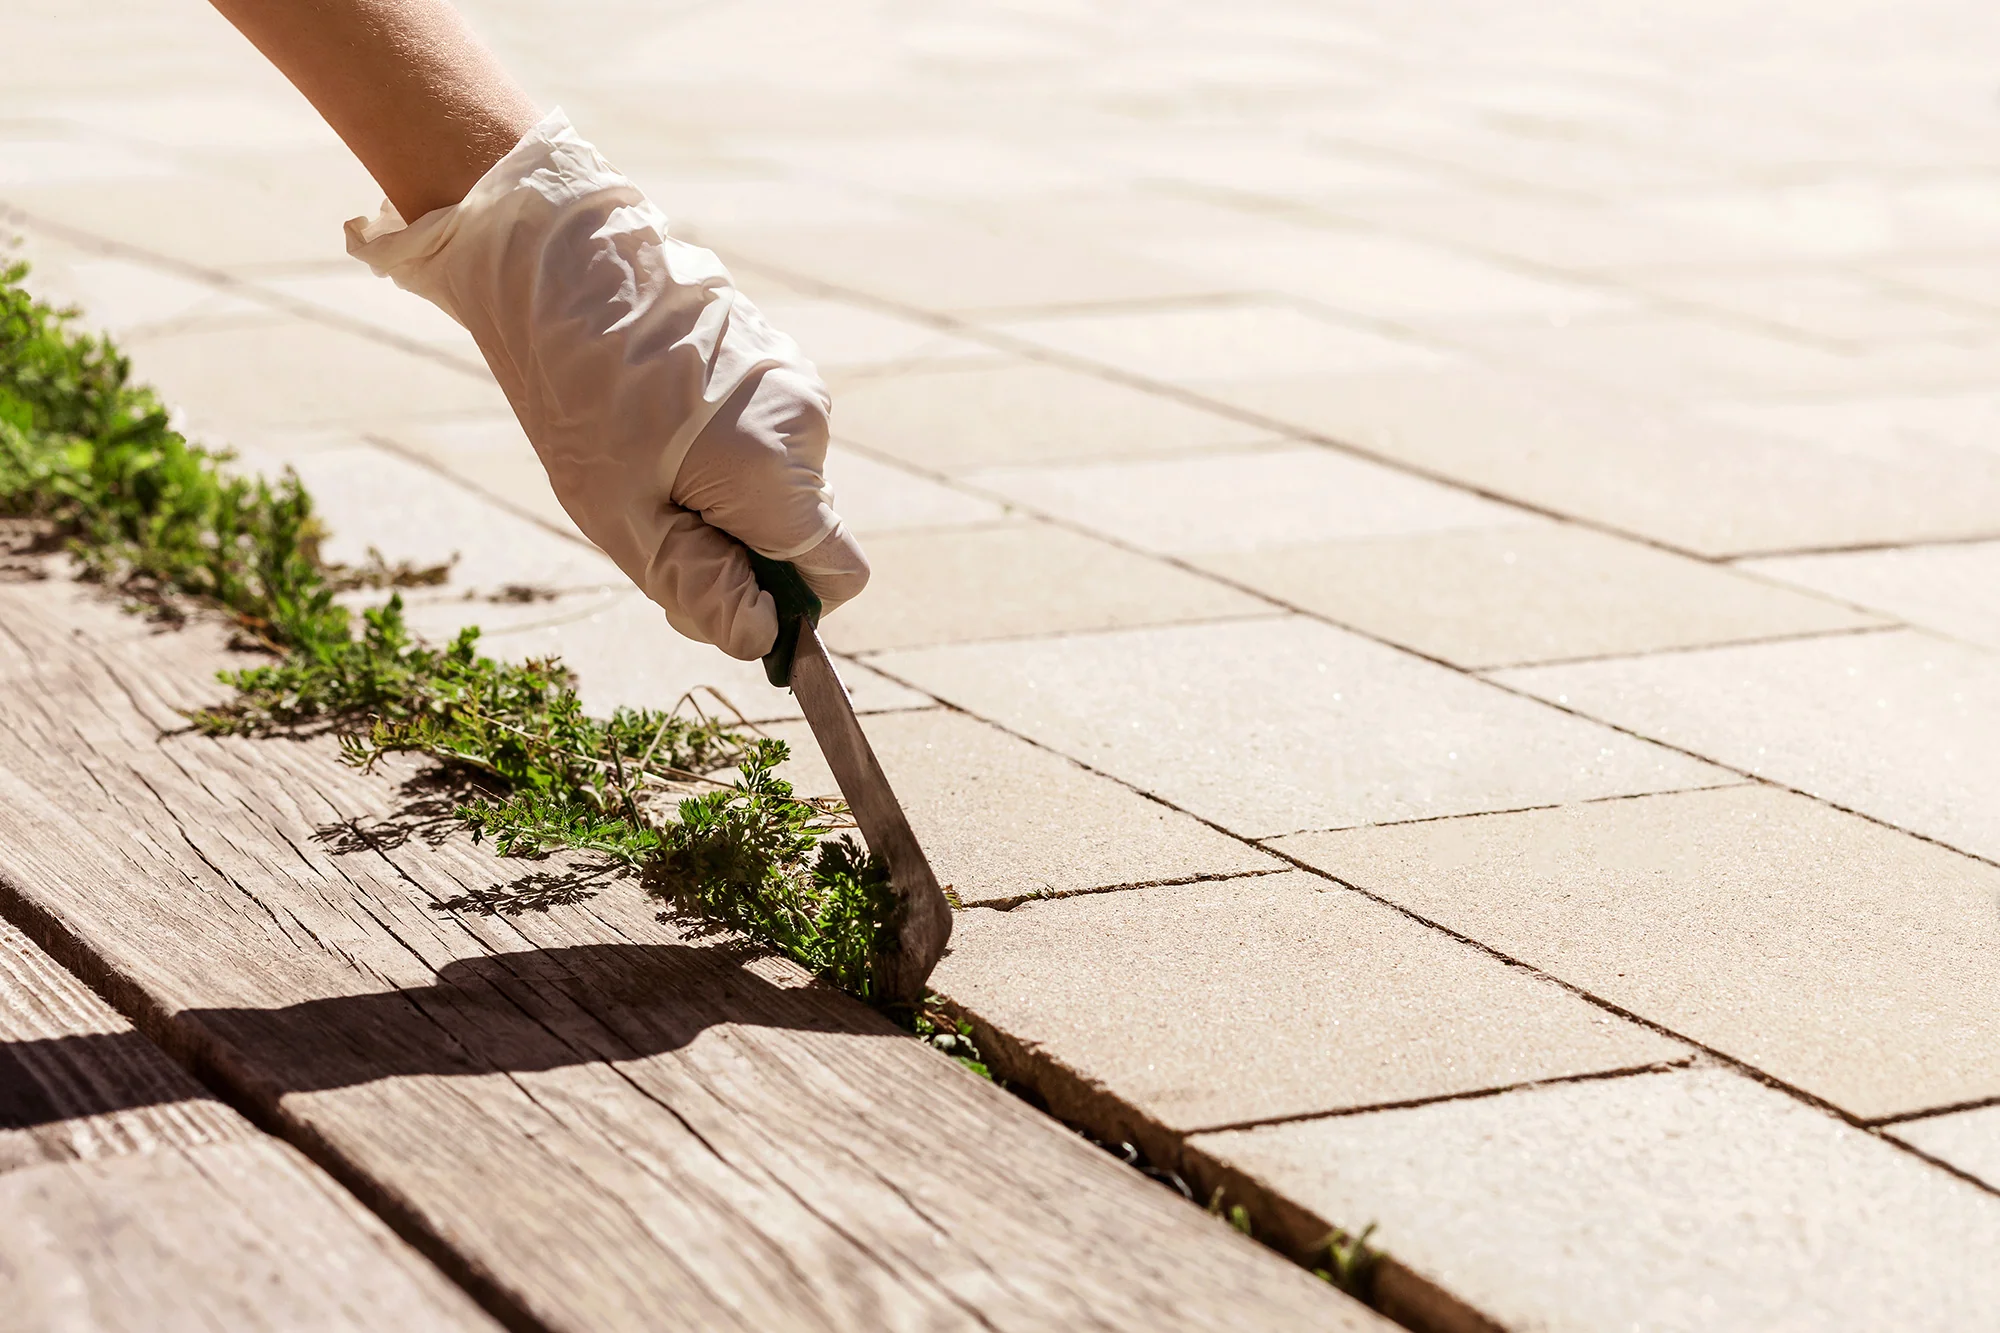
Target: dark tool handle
x=797, y=605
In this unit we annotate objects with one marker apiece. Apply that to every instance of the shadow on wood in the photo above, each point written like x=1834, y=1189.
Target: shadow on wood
x=507, y=1013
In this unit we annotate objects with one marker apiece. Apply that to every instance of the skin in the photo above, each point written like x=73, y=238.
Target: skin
x=405, y=83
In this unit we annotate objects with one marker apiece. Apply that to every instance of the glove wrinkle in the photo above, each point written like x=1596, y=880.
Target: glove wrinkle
x=674, y=422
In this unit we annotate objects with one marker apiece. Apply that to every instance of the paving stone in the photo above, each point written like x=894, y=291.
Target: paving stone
x=362, y=297
x=1826, y=303
x=236, y=378
x=1253, y=499
x=1383, y=277
x=839, y=336
x=875, y=497
x=1688, y=1200
x=121, y=296
x=932, y=267
x=1853, y=961
x=956, y=420
x=1896, y=428
x=1670, y=356
x=488, y=453
x=626, y=655
x=1899, y=725
x=1273, y=995
x=1528, y=592
x=1272, y=726
x=1949, y=589
x=1698, y=485
x=1010, y=579
x=1002, y=820
x=369, y=497
x=1968, y=1140
x=1202, y=344
x=259, y=211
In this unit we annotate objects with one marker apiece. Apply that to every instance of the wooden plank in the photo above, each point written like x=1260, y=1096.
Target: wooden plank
x=132, y=1199
x=593, y=1119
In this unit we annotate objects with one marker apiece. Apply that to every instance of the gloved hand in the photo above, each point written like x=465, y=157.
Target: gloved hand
x=673, y=421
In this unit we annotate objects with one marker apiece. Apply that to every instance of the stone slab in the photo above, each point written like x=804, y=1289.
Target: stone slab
x=1689, y=1200
x=370, y=497
x=1635, y=466
x=238, y=378
x=1206, y=343
x=626, y=655
x=1252, y=499
x=488, y=453
x=1002, y=820
x=1947, y=589
x=1385, y=277
x=1273, y=995
x=1529, y=592
x=954, y=420
x=876, y=497
x=1273, y=726
x=1967, y=1140
x=928, y=266
x=1010, y=579
x=1898, y=725
x=1845, y=958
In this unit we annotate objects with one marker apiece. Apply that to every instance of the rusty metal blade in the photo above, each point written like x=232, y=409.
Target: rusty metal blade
x=921, y=926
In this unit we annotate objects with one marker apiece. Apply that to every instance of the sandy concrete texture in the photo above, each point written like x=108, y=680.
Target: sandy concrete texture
x=1274, y=995
x=1273, y=726
x=1002, y=820
x=1686, y=1201
x=1847, y=959
x=1529, y=592
x=1899, y=725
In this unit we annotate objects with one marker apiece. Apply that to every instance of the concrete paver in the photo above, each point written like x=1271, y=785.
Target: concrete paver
x=1634, y=465
x=1272, y=726
x=627, y=656
x=953, y=420
x=875, y=497
x=1300, y=493
x=1003, y=820
x=1848, y=959
x=1685, y=1200
x=1529, y=592
x=1017, y=578
x=1274, y=995
x=1948, y=589
x=283, y=372
x=1204, y=344
x=1898, y=725
x=1968, y=1140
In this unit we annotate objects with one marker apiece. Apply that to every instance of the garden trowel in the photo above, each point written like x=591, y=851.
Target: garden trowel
x=921, y=923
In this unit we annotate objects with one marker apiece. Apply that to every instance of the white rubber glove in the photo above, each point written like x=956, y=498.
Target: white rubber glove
x=673, y=421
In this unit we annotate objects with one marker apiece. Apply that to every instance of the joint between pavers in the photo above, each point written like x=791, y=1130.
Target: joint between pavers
x=1688, y=1061
x=1059, y=895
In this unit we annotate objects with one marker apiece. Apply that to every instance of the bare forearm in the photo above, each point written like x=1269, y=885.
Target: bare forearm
x=421, y=100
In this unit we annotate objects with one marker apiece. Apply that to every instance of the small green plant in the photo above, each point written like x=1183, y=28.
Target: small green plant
x=937, y=1029
x=1350, y=1261
x=89, y=460
x=1235, y=1214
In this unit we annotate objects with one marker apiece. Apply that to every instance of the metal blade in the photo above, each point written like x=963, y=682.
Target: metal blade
x=921, y=925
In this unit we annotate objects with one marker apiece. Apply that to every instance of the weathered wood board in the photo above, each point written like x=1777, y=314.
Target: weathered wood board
x=130, y=1198
x=589, y=1118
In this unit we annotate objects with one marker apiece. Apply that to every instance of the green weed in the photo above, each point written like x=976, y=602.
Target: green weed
x=90, y=459
x=1350, y=1261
